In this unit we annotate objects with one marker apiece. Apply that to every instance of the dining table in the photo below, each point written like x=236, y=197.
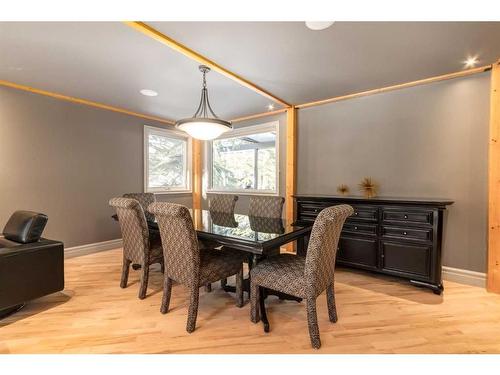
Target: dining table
x=258, y=237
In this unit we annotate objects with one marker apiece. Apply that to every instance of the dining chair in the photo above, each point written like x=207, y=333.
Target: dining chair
x=144, y=199
x=305, y=277
x=222, y=203
x=262, y=206
x=189, y=265
x=138, y=248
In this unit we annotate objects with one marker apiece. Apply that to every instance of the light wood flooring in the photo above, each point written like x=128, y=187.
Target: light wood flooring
x=376, y=315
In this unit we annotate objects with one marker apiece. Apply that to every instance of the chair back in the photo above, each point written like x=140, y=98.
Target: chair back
x=266, y=206
x=179, y=240
x=222, y=203
x=144, y=199
x=322, y=249
x=134, y=228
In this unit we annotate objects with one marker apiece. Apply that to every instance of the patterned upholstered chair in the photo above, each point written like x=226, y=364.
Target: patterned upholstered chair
x=222, y=203
x=137, y=245
x=144, y=199
x=266, y=206
x=186, y=264
x=305, y=277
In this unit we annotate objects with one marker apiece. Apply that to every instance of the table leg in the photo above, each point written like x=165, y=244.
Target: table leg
x=263, y=314
x=302, y=246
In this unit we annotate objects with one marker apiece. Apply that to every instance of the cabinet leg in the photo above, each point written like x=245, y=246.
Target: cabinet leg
x=436, y=288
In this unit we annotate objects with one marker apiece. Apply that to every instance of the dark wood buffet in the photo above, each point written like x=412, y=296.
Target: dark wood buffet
x=395, y=236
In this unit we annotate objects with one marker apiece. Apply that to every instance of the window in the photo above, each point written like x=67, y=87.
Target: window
x=166, y=160
x=245, y=159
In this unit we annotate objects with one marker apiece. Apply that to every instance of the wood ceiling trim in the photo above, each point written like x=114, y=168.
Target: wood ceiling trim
x=84, y=102
x=443, y=77
x=186, y=51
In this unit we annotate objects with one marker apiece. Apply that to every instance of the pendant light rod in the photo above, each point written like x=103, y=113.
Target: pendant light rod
x=204, y=109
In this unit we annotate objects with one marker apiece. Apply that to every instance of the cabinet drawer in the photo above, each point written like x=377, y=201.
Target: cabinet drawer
x=402, y=258
x=364, y=213
x=408, y=216
x=358, y=251
x=360, y=228
x=416, y=234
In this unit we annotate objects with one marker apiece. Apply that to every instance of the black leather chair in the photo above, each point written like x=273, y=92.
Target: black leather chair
x=30, y=266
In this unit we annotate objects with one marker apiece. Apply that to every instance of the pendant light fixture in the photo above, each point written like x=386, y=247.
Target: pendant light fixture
x=204, y=124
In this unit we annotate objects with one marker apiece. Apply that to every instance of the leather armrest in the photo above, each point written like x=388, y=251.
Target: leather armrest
x=25, y=226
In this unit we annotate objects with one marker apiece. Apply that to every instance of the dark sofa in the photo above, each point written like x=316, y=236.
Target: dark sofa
x=30, y=266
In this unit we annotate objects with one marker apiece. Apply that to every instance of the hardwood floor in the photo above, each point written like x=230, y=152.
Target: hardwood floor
x=376, y=315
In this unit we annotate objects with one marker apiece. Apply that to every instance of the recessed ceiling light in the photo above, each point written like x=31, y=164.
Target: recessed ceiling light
x=321, y=25
x=148, y=92
x=471, y=62
x=270, y=107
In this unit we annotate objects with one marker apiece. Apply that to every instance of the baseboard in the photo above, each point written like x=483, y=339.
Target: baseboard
x=77, y=251
x=466, y=277
x=456, y=275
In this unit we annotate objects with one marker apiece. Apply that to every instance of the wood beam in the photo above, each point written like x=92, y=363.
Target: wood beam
x=291, y=163
x=186, y=51
x=197, y=172
x=84, y=102
x=493, y=283
x=443, y=77
x=259, y=115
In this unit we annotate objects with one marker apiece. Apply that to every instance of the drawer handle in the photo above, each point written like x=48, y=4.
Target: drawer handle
x=405, y=233
x=355, y=228
x=355, y=214
x=406, y=216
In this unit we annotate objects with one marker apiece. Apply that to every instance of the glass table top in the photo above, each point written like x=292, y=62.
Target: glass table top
x=237, y=226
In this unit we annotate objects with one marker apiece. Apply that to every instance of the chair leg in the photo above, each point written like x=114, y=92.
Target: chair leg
x=330, y=301
x=254, y=302
x=208, y=288
x=125, y=269
x=167, y=292
x=193, y=309
x=223, y=283
x=239, y=287
x=312, y=321
x=144, y=281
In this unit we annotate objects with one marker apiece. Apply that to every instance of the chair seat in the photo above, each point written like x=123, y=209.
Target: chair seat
x=282, y=273
x=218, y=264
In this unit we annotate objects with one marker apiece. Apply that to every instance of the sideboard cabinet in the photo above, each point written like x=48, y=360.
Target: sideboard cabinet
x=394, y=236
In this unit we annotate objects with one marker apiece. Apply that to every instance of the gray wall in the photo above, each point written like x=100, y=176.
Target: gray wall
x=67, y=160
x=244, y=200
x=426, y=141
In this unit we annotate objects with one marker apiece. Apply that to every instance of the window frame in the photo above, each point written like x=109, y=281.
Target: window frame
x=169, y=133
x=239, y=132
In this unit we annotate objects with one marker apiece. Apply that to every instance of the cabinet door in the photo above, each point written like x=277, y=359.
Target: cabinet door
x=405, y=259
x=361, y=252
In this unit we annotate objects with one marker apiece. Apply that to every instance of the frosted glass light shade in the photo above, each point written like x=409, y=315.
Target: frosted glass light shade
x=203, y=130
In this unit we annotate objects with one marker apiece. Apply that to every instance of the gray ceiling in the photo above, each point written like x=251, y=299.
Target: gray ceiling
x=301, y=65
x=109, y=62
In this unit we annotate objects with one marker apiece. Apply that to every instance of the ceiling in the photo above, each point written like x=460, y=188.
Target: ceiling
x=110, y=62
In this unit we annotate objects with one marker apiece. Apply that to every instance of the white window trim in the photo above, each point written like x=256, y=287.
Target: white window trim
x=247, y=130
x=172, y=134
